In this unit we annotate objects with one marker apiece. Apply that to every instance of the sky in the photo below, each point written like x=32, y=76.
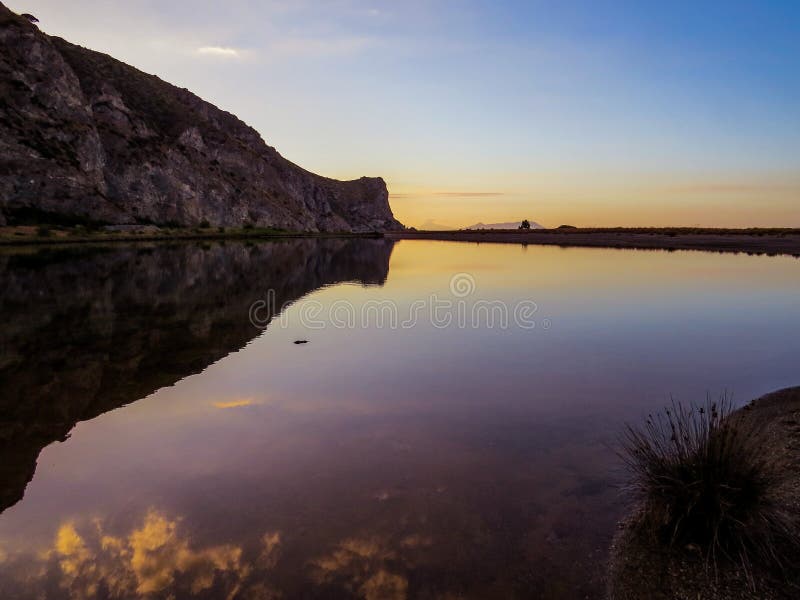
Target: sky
x=585, y=112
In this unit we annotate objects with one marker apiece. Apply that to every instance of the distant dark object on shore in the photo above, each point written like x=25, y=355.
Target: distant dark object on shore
x=301, y=341
x=566, y=227
x=505, y=226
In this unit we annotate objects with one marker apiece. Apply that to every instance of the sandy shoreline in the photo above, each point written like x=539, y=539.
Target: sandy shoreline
x=768, y=241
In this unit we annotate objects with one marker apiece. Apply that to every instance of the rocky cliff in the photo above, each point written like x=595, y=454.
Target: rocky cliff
x=84, y=137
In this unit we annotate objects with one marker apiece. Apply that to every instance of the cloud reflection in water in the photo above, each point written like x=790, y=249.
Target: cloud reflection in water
x=155, y=559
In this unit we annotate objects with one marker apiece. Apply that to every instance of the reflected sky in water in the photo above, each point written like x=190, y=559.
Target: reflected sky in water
x=371, y=462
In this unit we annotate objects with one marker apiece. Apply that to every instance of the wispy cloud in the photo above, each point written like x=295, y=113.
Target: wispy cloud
x=733, y=188
x=447, y=195
x=222, y=51
x=469, y=194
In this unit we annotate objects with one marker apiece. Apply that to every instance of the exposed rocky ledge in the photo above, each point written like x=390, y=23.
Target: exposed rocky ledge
x=86, y=137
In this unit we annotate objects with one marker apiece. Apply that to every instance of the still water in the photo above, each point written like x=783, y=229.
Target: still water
x=162, y=436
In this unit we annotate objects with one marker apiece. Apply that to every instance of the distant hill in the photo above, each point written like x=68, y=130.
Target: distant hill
x=431, y=225
x=514, y=225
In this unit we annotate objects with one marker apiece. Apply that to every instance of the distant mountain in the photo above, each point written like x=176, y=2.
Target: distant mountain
x=86, y=137
x=431, y=225
x=514, y=225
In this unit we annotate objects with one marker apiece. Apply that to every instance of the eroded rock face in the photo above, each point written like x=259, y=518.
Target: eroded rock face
x=84, y=136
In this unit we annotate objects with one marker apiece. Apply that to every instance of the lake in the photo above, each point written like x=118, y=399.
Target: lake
x=448, y=429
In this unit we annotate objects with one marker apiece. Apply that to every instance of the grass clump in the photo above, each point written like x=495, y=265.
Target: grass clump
x=703, y=479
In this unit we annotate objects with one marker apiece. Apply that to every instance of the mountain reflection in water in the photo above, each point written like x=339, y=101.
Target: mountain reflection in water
x=86, y=331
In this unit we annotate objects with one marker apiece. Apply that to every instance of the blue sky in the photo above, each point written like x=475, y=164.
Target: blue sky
x=592, y=113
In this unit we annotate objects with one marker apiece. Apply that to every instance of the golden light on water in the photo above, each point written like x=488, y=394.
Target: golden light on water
x=235, y=403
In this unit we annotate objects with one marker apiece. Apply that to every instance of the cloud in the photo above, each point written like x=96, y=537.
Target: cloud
x=221, y=51
x=448, y=195
x=732, y=188
x=469, y=194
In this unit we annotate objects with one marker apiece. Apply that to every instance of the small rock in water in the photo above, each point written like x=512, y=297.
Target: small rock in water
x=301, y=341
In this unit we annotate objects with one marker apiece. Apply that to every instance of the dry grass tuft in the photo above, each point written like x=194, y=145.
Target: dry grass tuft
x=702, y=478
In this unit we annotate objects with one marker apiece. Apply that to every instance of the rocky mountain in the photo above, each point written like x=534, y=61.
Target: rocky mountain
x=513, y=225
x=85, y=137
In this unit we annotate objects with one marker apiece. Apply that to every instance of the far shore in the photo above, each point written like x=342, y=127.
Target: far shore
x=771, y=241
x=754, y=241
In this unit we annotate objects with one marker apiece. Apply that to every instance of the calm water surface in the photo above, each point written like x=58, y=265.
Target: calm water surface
x=155, y=443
